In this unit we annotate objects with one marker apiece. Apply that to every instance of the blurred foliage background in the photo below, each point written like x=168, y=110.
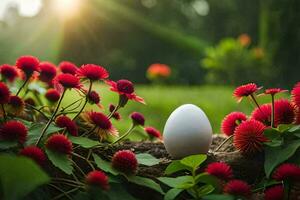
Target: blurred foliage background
x=126, y=36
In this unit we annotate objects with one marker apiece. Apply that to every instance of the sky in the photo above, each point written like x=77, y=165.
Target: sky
x=26, y=8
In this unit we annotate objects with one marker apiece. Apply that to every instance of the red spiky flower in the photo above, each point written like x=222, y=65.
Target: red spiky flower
x=153, y=132
x=97, y=178
x=275, y=193
x=263, y=114
x=47, y=71
x=238, y=188
x=28, y=64
x=92, y=72
x=34, y=153
x=287, y=171
x=296, y=94
x=9, y=72
x=4, y=93
x=67, y=67
x=137, y=118
x=273, y=91
x=125, y=89
x=245, y=91
x=93, y=97
x=52, y=95
x=220, y=170
x=66, y=81
x=231, y=121
x=125, y=161
x=66, y=122
x=13, y=131
x=115, y=115
x=103, y=123
x=59, y=143
x=249, y=137
x=16, y=105
x=284, y=112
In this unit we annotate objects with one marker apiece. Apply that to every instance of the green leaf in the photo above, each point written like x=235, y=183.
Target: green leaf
x=297, y=134
x=210, y=180
x=118, y=192
x=19, y=176
x=294, y=129
x=8, y=144
x=175, y=166
x=274, y=137
x=147, y=182
x=193, y=161
x=284, y=127
x=218, y=197
x=36, y=129
x=205, y=190
x=104, y=165
x=147, y=159
x=178, y=182
x=84, y=142
x=60, y=161
x=276, y=155
x=172, y=194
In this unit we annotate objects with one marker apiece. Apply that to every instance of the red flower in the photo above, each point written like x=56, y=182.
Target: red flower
x=9, y=72
x=92, y=72
x=220, y=170
x=59, y=143
x=28, y=64
x=287, y=171
x=273, y=91
x=152, y=132
x=158, y=70
x=125, y=88
x=13, y=131
x=245, y=90
x=35, y=154
x=237, y=188
x=284, y=112
x=116, y=115
x=66, y=81
x=94, y=97
x=4, y=93
x=275, y=193
x=66, y=122
x=47, y=71
x=125, y=161
x=249, y=137
x=104, y=125
x=263, y=114
x=137, y=118
x=231, y=121
x=297, y=115
x=16, y=105
x=67, y=67
x=52, y=95
x=296, y=94
x=97, y=178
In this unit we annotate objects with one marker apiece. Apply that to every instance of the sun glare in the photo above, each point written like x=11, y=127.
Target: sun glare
x=67, y=8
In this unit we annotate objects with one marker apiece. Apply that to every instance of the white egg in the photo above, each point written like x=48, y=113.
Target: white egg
x=187, y=132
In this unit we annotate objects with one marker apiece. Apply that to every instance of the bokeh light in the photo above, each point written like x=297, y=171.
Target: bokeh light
x=67, y=8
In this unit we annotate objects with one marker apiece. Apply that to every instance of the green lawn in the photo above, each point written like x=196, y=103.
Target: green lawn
x=216, y=102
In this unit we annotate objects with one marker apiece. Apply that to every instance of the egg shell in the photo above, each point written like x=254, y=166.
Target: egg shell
x=187, y=132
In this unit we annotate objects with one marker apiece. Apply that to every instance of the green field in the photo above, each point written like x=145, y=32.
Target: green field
x=216, y=102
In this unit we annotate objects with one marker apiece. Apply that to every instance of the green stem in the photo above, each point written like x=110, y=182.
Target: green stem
x=125, y=134
x=254, y=100
x=37, y=110
x=86, y=100
x=273, y=112
x=71, y=104
x=23, y=85
x=4, y=113
x=52, y=117
x=83, y=158
x=62, y=191
x=114, y=111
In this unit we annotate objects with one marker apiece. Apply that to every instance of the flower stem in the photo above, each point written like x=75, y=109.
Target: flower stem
x=125, y=134
x=23, y=85
x=273, y=112
x=86, y=100
x=52, y=117
x=254, y=100
x=4, y=113
x=114, y=111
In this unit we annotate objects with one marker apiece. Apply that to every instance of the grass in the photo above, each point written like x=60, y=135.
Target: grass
x=215, y=101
